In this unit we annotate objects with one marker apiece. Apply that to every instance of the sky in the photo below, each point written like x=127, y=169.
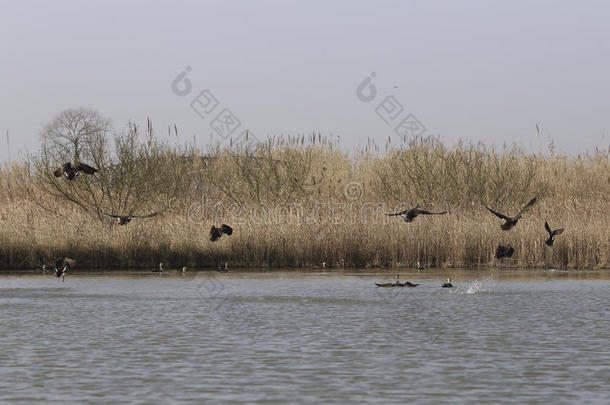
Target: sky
x=357, y=70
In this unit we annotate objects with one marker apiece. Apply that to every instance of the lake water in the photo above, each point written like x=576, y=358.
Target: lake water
x=292, y=337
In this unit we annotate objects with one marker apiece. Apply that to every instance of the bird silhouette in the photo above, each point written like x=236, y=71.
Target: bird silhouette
x=217, y=232
x=62, y=264
x=512, y=221
x=552, y=234
x=125, y=219
x=504, y=251
x=410, y=214
x=72, y=171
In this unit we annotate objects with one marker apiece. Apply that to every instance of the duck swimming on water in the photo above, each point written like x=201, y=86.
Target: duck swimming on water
x=161, y=268
x=447, y=284
x=397, y=283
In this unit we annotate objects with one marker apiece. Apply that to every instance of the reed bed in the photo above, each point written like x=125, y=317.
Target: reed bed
x=302, y=202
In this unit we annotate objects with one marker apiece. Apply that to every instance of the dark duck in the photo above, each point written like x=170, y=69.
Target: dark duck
x=397, y=283
x=71, y=171
x=410, y=214
x=504, y=251
x=510, y=222
x=217, y=232
x=62, y=264
x=552, y=234
x=125, y=219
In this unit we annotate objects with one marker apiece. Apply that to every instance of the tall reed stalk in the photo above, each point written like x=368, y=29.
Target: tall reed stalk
x=300, y=201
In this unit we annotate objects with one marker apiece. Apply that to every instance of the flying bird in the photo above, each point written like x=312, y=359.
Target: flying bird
x=511, y=222
x=410, y=214
x=71, y=171
x=552, y=234
x=125, y=219
x=504, y=251
x=217, y=232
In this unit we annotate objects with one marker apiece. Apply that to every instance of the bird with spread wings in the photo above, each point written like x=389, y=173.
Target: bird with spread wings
x=552, y=234
x=71, y=171
x=125, y=219
x=410, y=214
x=510, y=222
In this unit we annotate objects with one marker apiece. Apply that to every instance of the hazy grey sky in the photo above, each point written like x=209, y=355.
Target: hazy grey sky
x=482, y=70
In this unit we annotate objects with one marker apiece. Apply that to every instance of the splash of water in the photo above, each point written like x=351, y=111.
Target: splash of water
x=475, y=287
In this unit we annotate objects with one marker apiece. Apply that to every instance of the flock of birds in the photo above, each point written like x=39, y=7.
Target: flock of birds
x=501, y=251
x=72, y=171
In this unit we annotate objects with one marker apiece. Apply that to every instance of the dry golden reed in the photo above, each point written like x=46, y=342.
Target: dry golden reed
x=298, y=202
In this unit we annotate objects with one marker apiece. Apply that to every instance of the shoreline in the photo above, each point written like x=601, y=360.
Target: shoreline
x=328, y=271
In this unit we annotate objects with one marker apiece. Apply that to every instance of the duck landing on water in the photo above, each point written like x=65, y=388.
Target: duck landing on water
x=447, y=284
x=62, y=264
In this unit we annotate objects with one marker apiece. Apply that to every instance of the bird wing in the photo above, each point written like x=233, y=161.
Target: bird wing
x=398, y=213
x=111, y=215
x=145, y=216
x=59, y=172
x=86, y=168
x=60, y=261
x=527, y=207
x=424, y=212
x=226, y=229
x=558, y=231
x=504, y=217
x=548, y=228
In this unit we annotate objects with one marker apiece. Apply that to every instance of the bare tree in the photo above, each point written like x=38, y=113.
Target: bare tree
x=75, y=134
x=137, y=175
